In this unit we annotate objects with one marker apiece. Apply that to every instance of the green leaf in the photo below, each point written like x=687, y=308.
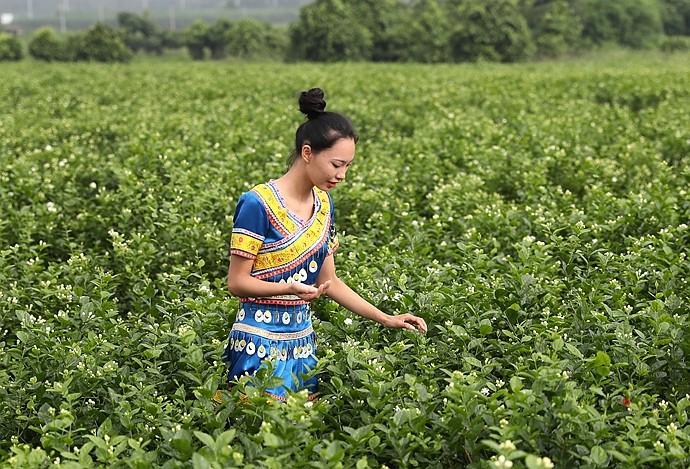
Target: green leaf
x=200, y=462
x=183, y=444
x=23, y=336
x=574, y=350
x=602, y=363
x=225, y=438
x=485, y=327
x=598, y=455
x=533, y=462
x=152, y=353
x=515, y=383
x=205, y=438
x=492, y=444
x=272, y=440
x=472, y=361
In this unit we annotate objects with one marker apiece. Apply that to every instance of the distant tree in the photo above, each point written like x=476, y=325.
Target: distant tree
x=74, y=47
x=555, y=26
x=249, y=38
x=495, y=31
x=217, y=38
x=172, y=39
x=632, y=23
x=328, y=31
x=103, y=44
x=195, y=39
x=131, y=22
x=277, y=41
x=428, y=30
x=10, y=47
x=140, y=33
x=383, y=19
x=46, y=45
x=422, y=33
x=675, y=16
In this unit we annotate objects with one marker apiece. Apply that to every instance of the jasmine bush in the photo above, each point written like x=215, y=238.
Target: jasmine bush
x=534, y=215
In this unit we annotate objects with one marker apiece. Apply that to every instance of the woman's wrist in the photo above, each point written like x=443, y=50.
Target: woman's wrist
x=289, y=289
x=384, y=319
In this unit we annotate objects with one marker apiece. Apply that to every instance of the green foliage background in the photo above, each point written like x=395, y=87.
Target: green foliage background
x=10, y=48
x=426, y=31
x=534, y=215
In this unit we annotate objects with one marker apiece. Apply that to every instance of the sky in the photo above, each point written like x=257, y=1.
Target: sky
x=29, y=9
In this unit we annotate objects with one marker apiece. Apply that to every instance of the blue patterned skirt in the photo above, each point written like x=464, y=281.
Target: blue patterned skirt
x=280, y=333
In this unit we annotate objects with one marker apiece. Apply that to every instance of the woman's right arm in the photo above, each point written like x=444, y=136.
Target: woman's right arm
x=242, y=284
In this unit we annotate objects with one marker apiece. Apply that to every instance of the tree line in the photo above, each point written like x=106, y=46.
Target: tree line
x=470, y=30
x=390, y=30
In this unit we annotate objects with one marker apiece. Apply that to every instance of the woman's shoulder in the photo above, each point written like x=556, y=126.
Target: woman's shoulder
x=254, y=195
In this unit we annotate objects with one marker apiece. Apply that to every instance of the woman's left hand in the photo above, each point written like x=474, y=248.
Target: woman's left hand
x=406, y=321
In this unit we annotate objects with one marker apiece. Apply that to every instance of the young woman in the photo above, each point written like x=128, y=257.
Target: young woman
x=281, y=255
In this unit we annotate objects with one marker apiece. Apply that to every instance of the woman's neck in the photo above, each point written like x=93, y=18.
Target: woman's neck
x=295, y=185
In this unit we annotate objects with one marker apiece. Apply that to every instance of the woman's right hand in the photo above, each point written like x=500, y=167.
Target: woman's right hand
x=308, y=292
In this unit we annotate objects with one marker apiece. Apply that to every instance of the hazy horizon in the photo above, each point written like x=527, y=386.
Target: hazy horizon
x=172, y=14
x=36, y=8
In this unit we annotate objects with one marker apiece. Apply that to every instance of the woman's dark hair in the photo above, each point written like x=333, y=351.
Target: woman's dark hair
x=322, y=128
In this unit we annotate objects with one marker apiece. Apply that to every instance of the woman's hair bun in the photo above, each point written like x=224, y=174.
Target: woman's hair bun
x=312, y=103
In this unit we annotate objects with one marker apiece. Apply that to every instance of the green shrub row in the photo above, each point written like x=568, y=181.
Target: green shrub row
x=99, y=43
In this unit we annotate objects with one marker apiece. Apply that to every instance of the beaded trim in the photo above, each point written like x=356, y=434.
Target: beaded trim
x=311, y=397
x=272, y=335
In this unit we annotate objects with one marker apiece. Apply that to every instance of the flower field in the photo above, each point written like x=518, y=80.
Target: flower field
x=535, y=215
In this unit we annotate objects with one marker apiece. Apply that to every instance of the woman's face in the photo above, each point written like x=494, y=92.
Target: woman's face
x=328, y=167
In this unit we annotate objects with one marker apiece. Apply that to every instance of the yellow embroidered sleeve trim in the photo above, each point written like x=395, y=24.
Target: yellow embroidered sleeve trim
x=245, y=242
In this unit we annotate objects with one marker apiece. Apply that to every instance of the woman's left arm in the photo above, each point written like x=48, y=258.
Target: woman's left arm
x=348, y=298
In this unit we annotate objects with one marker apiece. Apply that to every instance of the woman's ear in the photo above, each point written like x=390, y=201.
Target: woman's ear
x=306, y=153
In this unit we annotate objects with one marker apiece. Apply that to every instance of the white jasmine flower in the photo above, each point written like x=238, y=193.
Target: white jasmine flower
x=507, y=445
x=502, y=462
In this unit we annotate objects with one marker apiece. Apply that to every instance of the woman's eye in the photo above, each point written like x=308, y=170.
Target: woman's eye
x=336, y=165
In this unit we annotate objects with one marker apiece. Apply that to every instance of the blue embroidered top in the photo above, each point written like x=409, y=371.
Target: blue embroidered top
x=285, y=249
